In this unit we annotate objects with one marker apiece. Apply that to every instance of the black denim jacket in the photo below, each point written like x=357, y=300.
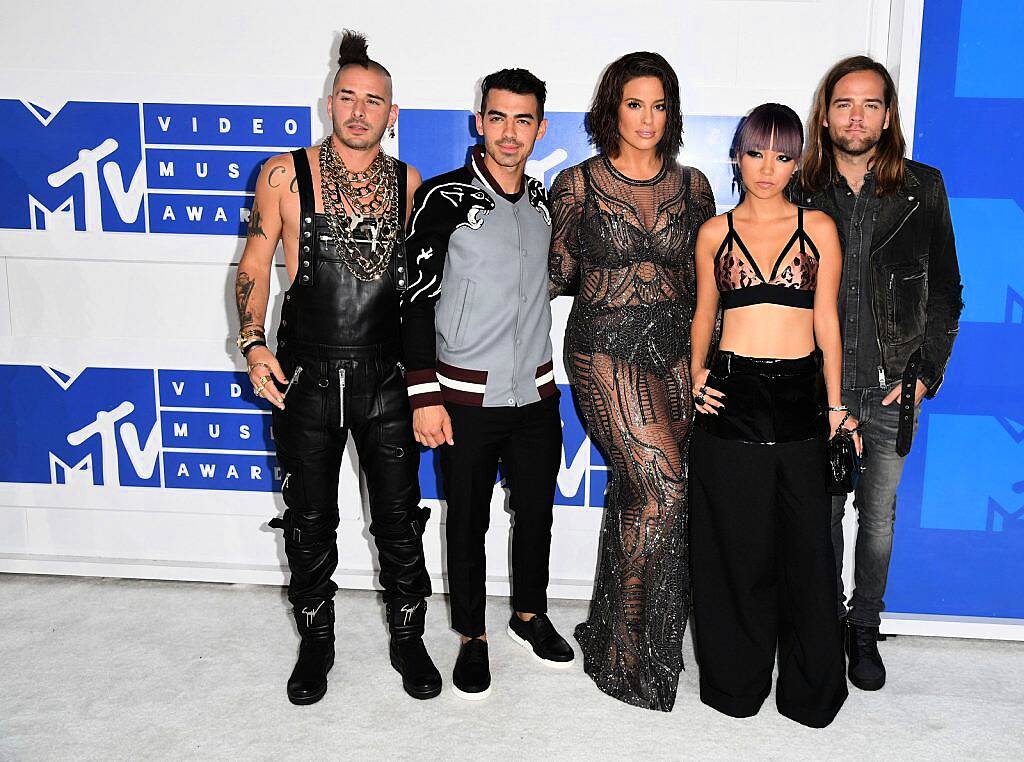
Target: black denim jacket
x=915, y=287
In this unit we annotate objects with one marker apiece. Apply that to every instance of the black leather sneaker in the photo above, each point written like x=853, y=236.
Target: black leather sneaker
x=471, y=678
x=866, y=670
x=538, y=636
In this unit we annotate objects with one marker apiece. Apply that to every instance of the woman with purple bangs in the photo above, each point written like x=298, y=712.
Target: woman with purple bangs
x=762, y=563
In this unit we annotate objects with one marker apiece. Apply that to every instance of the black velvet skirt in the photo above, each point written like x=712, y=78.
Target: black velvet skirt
x=767, y=400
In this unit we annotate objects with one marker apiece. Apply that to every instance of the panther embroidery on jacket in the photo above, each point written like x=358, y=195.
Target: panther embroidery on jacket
x=468, y=204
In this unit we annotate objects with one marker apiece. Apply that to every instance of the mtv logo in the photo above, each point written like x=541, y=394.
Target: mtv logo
x=976, y=487
x=78, y=166
x=583, y=474
x=58, y=425
x=79, y=474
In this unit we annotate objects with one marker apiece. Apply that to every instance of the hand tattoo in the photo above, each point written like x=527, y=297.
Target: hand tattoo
x=255, y=222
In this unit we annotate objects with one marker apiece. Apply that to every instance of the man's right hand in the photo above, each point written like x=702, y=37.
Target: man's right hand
x=263, y=364
x=432, y=426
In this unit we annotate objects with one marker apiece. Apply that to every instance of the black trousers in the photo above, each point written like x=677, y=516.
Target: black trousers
x=357, y=390
x=528, y=442
x=763, y=567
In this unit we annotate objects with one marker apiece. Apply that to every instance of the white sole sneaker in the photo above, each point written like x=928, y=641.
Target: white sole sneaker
x=546, y=662
x=481, y=695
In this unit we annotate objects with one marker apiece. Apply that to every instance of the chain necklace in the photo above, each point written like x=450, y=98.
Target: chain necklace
x=373, y=194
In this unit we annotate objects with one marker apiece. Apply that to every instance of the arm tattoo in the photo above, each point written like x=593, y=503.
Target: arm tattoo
x=294, y=185
x=244, y=286
x=270, y=177
x=255, y=222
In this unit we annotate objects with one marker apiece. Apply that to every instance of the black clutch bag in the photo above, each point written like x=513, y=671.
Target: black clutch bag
x=841, y=456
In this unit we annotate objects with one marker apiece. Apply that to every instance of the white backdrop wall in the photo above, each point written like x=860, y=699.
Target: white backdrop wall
x=107, y=297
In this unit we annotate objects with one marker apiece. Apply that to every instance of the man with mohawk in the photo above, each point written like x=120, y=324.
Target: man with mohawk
x=339, y=210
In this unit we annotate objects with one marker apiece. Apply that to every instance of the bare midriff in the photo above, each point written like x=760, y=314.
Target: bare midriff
x=768, y=330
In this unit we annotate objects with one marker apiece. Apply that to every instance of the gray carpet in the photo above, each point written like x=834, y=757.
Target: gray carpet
x=123, y=669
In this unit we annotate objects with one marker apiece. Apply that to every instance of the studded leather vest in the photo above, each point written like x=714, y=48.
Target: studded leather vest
x=326, y=304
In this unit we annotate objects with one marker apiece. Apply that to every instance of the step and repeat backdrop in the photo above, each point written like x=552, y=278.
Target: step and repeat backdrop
x=130, y=442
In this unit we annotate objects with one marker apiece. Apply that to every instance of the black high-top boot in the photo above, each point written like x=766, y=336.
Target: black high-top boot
x=866, y=670
x=308, y=682
x=409, y=656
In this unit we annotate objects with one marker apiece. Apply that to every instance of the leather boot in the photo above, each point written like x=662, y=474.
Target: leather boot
x=308, y=682
x=409, y=656
x=866, y=670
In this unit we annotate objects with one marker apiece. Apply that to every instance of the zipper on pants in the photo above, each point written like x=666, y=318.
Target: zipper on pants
x=341, y=397
x=292, y=381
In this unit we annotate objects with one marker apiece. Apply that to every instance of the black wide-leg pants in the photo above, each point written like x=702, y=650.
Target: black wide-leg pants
x=528, y=442
x=762, y=563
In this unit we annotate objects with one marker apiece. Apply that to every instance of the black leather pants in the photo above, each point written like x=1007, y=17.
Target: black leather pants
x=334, y=391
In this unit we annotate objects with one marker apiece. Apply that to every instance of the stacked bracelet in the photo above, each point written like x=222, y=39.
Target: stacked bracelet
x=838, y=409
x=252, y=336
x=254, y=343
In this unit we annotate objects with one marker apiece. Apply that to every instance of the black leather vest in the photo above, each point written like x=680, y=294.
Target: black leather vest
x=326, y=304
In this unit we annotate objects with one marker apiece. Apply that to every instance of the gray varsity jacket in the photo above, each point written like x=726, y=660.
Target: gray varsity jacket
x=476, y=320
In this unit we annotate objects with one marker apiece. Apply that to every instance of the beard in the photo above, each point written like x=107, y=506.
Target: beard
x=856, y=146
x=368, y=139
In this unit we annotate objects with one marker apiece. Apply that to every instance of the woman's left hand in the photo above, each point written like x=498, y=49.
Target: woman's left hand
x=840, y=418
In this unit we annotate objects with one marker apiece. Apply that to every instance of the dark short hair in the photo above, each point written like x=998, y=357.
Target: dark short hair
x=353, y=51
x=518, y=81
x=602, y=122
x=769, y=127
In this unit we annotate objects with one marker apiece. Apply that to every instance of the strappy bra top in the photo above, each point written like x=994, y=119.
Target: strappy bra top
x=792, y=280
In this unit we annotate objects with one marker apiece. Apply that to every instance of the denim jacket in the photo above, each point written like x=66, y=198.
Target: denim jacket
x=915, y=287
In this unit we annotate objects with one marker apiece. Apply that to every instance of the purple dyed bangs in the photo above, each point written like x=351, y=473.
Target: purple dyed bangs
x=770, y=127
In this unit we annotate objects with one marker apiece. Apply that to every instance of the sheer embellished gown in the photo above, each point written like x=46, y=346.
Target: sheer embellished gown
x=628, y=247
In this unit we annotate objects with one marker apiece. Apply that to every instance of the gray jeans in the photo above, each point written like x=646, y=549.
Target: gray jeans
x=875, y=503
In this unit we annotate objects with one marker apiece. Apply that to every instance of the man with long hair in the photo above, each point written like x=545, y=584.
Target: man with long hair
x=337, y=362
x=899, y=305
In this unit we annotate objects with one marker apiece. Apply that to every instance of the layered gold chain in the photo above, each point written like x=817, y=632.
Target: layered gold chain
x=373, y=194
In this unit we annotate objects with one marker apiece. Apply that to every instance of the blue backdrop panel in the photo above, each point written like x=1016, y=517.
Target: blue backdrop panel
x=959, y=546
x=84, y=166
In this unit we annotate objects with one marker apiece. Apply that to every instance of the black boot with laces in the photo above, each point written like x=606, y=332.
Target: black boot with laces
x=865, y=670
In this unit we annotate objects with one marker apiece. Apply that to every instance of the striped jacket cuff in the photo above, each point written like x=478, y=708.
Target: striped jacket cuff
x=424, y=390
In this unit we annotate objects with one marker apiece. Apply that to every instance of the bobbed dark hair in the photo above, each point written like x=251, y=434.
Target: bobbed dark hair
x=768, y=127
x=602, y=122
x=519, y=81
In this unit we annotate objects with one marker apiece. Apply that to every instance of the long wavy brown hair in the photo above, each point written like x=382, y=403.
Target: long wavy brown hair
x=819, y=164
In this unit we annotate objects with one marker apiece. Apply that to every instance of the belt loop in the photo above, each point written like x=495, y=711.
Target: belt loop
x=325, y=380
x=728, y=364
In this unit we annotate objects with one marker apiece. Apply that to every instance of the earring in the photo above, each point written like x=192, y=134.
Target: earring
x=391, y=132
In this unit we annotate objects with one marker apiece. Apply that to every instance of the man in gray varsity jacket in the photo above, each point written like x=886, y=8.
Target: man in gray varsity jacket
x=475, y=333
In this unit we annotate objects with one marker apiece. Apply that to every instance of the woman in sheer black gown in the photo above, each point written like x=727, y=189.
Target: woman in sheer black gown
x=624, y=225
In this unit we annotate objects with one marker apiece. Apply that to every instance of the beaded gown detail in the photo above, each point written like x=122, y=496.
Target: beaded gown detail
x=628, y=246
